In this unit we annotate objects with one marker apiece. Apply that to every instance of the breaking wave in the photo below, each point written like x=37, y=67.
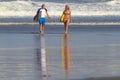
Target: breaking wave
x=23, y=8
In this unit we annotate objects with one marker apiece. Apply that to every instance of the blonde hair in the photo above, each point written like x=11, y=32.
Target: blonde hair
x=67, y=7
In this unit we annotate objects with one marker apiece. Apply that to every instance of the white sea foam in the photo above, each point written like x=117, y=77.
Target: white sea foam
x=29, y=8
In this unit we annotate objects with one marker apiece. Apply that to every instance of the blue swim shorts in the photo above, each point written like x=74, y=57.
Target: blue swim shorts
x=42, y=21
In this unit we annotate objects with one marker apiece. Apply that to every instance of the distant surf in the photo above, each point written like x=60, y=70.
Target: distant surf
x=28, y=8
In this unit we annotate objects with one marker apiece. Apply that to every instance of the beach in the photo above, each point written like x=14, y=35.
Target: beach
x=87, y=52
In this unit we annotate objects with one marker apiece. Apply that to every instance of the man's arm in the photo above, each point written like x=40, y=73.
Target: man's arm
x=47, y=14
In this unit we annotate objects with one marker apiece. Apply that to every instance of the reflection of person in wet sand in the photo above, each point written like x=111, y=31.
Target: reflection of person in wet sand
x=66, y=53
x=41, y=57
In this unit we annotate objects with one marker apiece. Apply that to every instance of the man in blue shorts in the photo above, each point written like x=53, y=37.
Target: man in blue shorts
x=42, y=13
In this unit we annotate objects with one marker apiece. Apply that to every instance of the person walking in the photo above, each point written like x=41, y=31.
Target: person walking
x=67, y=17
x=41, y=17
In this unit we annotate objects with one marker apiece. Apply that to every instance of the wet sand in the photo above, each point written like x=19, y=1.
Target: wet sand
x=85, y=53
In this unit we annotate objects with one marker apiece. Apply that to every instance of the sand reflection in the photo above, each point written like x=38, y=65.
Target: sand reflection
x=66, y=54
x=41, y=57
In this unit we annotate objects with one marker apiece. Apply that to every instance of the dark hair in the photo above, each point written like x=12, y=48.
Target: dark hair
x=43, y=5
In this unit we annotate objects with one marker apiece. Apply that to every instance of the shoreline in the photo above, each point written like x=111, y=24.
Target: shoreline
x=60, y=23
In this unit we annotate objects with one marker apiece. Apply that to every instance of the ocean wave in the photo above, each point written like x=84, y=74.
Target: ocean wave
x=29, y=8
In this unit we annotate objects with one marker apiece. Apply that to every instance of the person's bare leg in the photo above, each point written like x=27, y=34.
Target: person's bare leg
x=40, y=28
x=67, y=26
x=43, y=28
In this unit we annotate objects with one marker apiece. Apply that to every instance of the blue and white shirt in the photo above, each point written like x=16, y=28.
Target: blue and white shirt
x=42, y=12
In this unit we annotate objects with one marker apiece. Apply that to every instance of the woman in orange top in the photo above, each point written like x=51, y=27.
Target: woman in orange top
x=67, y=18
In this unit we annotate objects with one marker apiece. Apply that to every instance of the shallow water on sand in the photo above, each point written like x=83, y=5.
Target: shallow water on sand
x=85, y=52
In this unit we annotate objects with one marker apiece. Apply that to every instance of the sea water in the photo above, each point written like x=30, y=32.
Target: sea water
x=82, y=10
